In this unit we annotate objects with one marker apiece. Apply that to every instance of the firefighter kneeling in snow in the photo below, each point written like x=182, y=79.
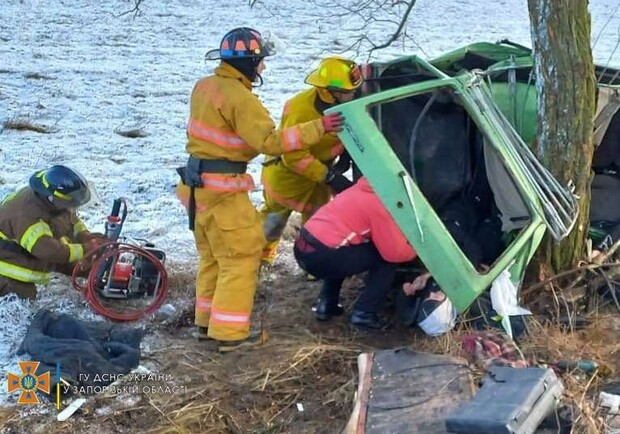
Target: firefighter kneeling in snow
x=302, y=181
x=40, y=232
x=228, y=126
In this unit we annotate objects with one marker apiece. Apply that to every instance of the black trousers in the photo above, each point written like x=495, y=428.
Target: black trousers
x=334, y=265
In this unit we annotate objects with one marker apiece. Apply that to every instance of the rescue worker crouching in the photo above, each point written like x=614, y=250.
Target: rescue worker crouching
x=352, y=234
x=229, y=126
x=40, y=231
x=303, y=181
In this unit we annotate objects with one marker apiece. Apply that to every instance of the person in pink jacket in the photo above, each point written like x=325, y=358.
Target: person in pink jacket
x=352, y=234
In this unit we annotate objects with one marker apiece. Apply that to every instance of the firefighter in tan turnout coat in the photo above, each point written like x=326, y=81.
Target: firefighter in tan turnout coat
x=40, y=231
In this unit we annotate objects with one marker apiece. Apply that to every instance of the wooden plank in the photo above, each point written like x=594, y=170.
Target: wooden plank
x=404, y=391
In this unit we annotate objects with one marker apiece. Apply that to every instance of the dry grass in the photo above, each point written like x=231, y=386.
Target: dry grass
x=132, y=133
x=598, y=343
x=314, y=364
x=22, y=124
x=37, y=76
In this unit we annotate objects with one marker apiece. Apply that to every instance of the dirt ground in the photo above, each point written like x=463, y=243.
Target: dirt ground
x=258, y=390
x=301, y=381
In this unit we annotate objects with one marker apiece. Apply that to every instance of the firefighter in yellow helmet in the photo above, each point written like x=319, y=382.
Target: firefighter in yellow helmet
x=40, y=231
x=303, y=181
x=228, y=126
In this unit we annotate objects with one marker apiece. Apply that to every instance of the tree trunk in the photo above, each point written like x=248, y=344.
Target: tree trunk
x=566, y=87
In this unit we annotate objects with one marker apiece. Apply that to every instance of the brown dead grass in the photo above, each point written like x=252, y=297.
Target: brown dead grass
x=313, y=364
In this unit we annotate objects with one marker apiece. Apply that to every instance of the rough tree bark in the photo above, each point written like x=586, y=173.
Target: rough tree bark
x=566, y=87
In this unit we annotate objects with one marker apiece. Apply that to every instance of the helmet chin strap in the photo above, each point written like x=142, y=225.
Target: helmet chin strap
x=260, y=81
x=327, y=96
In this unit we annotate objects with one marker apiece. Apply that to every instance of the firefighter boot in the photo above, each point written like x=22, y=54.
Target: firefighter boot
x=256, y=338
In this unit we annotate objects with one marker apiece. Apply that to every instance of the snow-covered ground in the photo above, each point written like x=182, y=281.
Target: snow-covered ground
x=85, y=71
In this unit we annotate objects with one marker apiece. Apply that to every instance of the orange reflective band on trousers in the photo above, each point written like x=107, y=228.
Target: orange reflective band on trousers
x=217, y=183
x=224, y=183
x=203, y=304
x=229, y=239
x=225, y=139
x=230, y=318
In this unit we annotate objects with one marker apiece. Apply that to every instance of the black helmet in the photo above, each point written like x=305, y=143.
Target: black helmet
x=63, y=187
x=243, y=42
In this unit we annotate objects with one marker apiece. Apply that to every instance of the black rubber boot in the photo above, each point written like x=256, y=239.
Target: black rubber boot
x=367, y=320
x=325, y=309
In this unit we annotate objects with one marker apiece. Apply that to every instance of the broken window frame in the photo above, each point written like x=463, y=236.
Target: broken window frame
x=403, y=199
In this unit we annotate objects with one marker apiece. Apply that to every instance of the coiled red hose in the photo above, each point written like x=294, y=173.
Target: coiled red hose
x=99, y=258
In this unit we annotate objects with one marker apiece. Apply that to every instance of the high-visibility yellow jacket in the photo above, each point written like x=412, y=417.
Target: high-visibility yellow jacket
x=227, y=121
x=35, y=238
x=292, y=179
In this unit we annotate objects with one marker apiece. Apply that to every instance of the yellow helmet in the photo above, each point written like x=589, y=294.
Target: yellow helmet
x=336, y=73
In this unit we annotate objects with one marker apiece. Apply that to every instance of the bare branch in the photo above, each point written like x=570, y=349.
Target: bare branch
x=135, y=10
x=364, y=18
x=399, y=30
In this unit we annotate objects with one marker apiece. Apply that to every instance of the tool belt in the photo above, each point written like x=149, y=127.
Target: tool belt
x=191, y=176
x=278, y=160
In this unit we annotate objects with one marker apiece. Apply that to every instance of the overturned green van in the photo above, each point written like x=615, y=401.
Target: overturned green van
x=424, y=132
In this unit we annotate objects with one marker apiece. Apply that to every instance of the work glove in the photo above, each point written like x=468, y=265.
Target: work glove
x=93, y=245
x=337, y=181
x=332, y=123
x=86, y=236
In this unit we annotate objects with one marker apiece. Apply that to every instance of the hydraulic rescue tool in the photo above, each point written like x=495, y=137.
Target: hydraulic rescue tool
x=127, y=278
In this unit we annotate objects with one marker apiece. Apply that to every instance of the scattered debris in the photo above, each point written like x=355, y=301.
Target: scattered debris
x=72, y=408
x=133, y=133
x=611, y=402
x=23, y=124
x=37, y=76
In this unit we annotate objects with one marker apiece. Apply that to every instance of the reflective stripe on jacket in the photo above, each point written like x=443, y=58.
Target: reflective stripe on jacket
x=41, y=237
x=227, y=121
x=356, y=216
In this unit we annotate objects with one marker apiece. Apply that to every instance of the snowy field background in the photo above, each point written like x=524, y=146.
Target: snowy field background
x=85, y=72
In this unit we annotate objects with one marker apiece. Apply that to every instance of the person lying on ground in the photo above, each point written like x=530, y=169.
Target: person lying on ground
x=427, y=306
